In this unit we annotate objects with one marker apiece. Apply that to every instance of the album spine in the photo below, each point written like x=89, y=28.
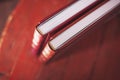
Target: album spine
x=46, y=54
x=37, y=41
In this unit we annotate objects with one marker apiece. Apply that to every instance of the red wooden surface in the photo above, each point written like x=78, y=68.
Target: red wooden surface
x=93, y=57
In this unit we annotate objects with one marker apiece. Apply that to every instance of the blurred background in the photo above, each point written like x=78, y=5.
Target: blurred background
x=6, y=7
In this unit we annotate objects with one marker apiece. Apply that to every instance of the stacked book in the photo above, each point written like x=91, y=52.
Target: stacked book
x=64, y=27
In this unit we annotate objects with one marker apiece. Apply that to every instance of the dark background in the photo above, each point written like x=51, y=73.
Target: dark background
x=6, y=7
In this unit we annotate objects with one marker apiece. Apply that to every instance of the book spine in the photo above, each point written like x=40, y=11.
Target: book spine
x=36, y=42
x=46, y=54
